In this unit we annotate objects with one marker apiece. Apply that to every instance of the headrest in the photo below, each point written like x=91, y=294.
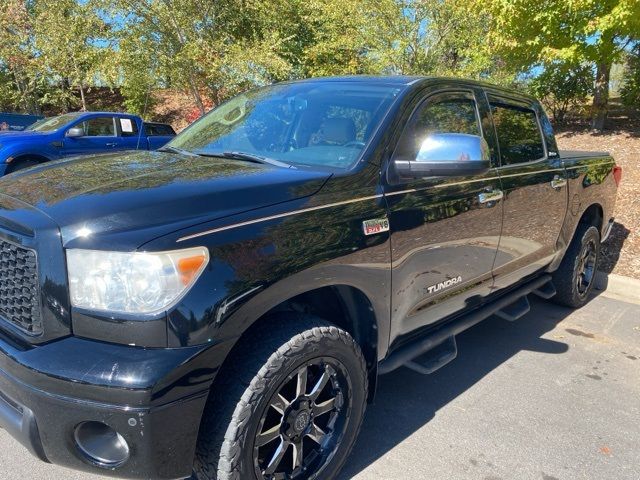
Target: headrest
x=338, y=130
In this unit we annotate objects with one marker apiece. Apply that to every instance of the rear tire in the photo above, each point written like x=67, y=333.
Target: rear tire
x=289, y=403
x=574, y=279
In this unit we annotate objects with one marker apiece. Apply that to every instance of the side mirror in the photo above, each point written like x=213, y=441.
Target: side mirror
x=447, y=154
x=75, y=132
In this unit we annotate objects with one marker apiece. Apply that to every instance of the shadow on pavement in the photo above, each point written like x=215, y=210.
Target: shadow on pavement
x=406, y=401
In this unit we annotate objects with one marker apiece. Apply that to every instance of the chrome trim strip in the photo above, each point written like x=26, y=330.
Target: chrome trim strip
x=273, y=217
x=533, y=172
x=373, y=197
x=587, y=165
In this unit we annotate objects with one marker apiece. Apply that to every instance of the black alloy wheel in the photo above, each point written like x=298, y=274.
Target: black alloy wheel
x=288, y=405
x=303, y=423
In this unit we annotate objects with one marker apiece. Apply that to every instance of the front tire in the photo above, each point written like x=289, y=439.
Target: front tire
x=575, y=277
x=21, y=165
x=288, y=405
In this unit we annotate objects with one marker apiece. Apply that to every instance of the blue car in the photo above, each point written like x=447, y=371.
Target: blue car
x=75, y=134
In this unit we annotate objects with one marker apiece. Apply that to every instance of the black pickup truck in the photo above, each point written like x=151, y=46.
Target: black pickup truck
x=223, y=307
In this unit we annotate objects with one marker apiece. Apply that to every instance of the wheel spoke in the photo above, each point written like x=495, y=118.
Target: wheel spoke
x=301, y=387
x=297, y=454
x=268, y=436
x=324, y=407
x=321, y=383
x=316, y=434
x=278, y=455
x=280, y=404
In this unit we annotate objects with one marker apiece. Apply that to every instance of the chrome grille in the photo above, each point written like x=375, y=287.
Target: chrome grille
x=19, y=304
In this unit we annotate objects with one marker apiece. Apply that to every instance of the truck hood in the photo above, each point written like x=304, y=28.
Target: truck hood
x=9, y=135
x=120, y=201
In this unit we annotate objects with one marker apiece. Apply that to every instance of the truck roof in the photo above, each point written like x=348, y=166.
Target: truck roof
x=413, y=80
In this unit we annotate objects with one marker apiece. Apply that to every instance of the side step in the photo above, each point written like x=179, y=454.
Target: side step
x=436, y=358
x=443, y=333
x=517, y=309
x=546, y=291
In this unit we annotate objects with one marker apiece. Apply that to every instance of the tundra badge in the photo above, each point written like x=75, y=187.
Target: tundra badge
x=376, y=225
x=442, y=285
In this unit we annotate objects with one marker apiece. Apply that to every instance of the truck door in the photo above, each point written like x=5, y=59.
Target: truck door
x=99, y=137
x=534, y=185
x=444, y=230
x=129, y=135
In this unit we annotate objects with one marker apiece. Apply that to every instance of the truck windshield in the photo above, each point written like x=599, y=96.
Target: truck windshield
x=325, y=124
x=53, y=123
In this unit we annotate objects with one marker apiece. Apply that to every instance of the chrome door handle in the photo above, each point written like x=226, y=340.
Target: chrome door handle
x=111, y=144
x=492, y=196
x=558, y=182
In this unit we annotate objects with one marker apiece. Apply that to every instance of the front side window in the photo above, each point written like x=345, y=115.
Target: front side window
x=98, y=127
x=323, y=124
x=518, y=133
x=442, y=114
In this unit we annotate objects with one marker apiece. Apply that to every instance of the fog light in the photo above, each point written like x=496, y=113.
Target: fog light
x=101, y=444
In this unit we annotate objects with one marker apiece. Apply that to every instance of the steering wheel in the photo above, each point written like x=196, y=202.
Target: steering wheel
x=354, y=143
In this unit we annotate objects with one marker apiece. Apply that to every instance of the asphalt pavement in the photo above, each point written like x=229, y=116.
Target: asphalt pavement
x=553, y=396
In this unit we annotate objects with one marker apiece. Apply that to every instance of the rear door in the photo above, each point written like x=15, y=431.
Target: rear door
x=534, y=185
x=99, y=136
x=444, y=230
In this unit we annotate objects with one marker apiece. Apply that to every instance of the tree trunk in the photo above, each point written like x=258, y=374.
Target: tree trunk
x=196, y=96
x=84, y=102
x=601, y=96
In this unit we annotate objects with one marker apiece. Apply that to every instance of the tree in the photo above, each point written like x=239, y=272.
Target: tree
x=563, y=86
x=631, y=88
x=67, y=37
x=432, y=37
x=530, y=32
x=17, y=57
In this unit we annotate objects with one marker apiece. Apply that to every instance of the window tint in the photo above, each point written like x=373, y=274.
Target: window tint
x=128, y=127
x=518, y=134
x=157, y=129
x=99, y=127
x=446, y=113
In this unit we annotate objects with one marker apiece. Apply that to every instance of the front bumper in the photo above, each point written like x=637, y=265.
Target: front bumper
x=153, y=398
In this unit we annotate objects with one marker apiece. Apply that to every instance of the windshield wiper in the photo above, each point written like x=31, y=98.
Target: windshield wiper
x=251, y=157
x=180, y=151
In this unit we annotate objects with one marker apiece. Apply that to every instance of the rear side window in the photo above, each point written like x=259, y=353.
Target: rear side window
x=158, y=129
x=442, y=113
x=518, y=132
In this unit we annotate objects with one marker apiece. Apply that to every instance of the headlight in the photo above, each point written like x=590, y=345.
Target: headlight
x=137, y=282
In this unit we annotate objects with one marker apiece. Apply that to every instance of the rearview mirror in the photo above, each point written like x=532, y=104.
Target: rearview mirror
x=447, y=154
x=75, y=132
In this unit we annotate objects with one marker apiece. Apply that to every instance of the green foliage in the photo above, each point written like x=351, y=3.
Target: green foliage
x=529, y=32
x=631, y=89
x=52, y=52
x=563, y=86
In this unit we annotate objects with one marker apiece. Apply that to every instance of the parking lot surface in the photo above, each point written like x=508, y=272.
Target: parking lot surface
x=553, y=396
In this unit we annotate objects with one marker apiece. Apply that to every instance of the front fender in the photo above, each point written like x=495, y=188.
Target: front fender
x=263, y=258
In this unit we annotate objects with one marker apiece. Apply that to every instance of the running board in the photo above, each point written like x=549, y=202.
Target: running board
x=439, y=335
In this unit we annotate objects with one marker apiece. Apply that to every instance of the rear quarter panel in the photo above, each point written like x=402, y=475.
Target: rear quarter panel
x=590, y=182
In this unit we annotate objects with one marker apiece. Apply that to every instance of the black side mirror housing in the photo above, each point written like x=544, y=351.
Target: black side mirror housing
x=75, y=132
x=447, y=154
